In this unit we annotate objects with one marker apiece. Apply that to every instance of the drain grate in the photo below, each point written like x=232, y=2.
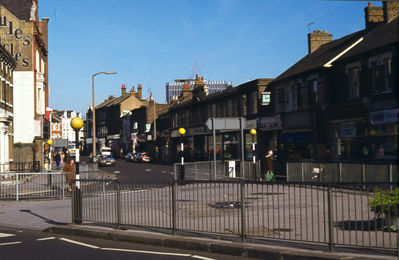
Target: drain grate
x=227, y=205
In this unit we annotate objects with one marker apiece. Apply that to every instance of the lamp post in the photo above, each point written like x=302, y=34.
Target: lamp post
x=94, y=112
x=182, y=131
x=77, y=124
x=253, y=133
x=49, y=142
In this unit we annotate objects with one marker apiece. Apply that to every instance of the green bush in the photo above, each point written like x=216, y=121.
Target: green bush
x=384, y=203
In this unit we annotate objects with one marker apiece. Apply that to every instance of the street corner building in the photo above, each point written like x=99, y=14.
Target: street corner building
x=24, y=37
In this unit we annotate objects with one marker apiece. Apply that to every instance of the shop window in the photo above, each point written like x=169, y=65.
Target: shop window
x=231, y=147
x=218, y=141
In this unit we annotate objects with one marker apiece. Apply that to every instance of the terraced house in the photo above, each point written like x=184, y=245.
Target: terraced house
x=7, y=65
x=24, y=36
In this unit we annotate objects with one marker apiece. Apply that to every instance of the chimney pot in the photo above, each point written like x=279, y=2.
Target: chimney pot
x=317, y=38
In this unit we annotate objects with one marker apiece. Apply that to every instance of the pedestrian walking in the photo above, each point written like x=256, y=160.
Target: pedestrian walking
x=69, y=170
x=57, y=158
x=269, y=173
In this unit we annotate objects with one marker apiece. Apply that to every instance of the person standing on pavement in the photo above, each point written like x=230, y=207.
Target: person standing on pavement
x=69, y=170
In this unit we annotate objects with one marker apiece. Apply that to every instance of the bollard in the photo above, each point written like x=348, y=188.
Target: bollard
x=76, y=205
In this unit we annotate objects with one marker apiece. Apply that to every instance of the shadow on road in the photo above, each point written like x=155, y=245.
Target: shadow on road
x=49, y=221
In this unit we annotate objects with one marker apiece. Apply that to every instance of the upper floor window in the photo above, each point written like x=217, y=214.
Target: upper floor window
x=354, y=82
x=313, y=92
x=381, y=73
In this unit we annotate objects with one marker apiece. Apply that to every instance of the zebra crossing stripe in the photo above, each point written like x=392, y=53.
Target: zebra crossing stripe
x=6, y=235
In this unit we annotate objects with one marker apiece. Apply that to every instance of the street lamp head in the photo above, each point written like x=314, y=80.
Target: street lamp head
x=110, y=72
x=182, y=131
x=253, y=131
x=49, y=142
x=77, y=123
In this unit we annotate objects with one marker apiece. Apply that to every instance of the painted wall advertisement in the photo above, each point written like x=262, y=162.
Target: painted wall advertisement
x=16, y=37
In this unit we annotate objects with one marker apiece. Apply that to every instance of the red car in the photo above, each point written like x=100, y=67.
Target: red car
x=145, y=157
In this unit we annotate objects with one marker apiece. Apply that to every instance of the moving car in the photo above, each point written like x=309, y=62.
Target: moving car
x=106, y=160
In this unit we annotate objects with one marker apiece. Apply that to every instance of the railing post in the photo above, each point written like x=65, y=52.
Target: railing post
x=302, y=172
x=118, y=205
x=330, y=220
x=174, y=208
x=63, y=185
x=242, y=201
x=16, y=186
x=340, y=171
x=363, y=173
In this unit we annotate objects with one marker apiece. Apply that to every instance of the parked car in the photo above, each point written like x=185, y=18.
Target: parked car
x=145, y=157
x=106, y=161
x=131, y=157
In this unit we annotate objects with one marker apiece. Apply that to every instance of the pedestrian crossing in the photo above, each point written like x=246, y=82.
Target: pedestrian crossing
x=6, y=235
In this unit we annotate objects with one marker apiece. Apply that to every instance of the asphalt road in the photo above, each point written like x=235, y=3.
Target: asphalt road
x=140, y=171
x=27, y=244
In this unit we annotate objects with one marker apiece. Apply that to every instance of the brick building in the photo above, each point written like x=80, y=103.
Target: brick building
x=340, y=100
x=6, y=108
x=25, y=37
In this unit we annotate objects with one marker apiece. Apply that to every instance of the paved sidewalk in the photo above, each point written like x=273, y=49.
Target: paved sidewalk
x=35, y=214
x=55, y=216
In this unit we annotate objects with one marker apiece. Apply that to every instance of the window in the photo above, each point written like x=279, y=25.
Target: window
x=374, y=75
x=387, y=74
x=313, y=93
x=354, y=86
x=244, y=105
x=298, y=94
x=254, y=102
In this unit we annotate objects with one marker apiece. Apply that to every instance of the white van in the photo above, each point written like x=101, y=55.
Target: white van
x=106, y=151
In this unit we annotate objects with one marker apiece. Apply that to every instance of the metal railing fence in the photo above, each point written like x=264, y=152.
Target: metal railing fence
x=20, y=167
x=205, y=170
x=16, y=186
x=339, y=214
x=341, y=172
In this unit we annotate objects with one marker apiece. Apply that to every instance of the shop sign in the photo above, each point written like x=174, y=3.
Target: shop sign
x=384, y=116
x=16, y=37
x=196, y=131
x=250, y=124
x=348, y=129
x=270, y=123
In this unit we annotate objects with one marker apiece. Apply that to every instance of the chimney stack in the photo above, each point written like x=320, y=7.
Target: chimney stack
x=132, y=92
x=318, y=38
x=139, y=91
x=391, y=10
x=123, y=89
x=374, y=15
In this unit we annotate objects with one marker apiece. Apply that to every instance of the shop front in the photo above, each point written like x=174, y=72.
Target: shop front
x=383, y=134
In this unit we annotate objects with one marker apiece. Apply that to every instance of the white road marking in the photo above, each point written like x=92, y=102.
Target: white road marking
x=10, y=243
x=148, y=170
x=144, y=252
x=79, y=243
x=45, y=238
x=6, y=235
x=202, y=257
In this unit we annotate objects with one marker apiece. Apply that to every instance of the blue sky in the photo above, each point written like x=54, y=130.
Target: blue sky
x=152, y=42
